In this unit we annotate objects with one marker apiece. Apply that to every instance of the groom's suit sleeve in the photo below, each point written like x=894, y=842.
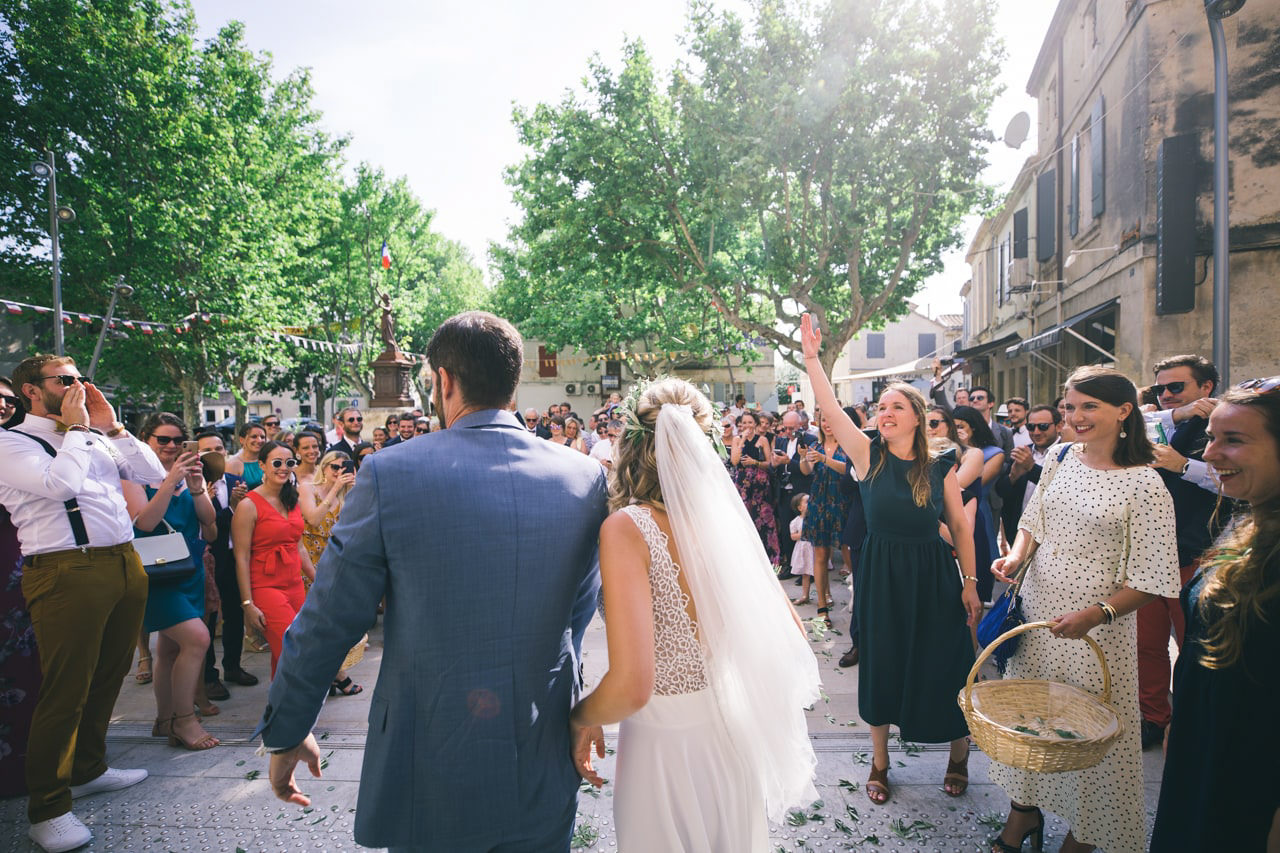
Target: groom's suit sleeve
x=588, y=599
x=341, y=607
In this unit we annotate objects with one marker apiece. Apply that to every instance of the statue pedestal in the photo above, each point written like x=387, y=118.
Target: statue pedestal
x=392, y=388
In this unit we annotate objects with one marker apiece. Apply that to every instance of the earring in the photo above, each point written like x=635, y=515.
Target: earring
x=1123, y=434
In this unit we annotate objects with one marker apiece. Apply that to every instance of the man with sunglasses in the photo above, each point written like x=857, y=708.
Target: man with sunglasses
x=1184, y=387
x=1016, y=483
x=352, y=421
x=84, y=583
x=271, y=424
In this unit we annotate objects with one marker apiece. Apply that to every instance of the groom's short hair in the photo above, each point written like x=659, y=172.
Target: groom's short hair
x=483, y=352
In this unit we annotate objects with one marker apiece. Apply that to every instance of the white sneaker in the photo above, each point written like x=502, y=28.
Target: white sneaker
x=64, y=832
x=112, y=780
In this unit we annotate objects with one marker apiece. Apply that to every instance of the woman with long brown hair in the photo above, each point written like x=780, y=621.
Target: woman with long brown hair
x=914, y=608
x=1099, y=541
x=1225, y=686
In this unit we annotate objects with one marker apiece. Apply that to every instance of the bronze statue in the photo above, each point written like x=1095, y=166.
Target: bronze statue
x=388, y=325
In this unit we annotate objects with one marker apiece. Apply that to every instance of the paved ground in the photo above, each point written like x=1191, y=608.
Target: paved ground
x=218, y=800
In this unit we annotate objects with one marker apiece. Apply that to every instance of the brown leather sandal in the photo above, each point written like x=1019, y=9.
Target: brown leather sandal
x=879, y=778
x=957, y=776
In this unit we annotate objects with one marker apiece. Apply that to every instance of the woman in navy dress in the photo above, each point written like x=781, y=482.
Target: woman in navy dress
x=176, y=608
x=974, y=432
x=828, y=506
x=914, y=609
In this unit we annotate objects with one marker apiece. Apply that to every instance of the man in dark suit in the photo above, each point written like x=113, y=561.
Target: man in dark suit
x=468, y=741
x=352, y=423
x=788, y=449
x=1184, y=385
x=1016, y=484
x=225, y=491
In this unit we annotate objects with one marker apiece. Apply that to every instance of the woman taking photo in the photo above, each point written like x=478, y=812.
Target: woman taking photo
x=176, y=608
x=828, y=505
x=266, y=532
x=751, y=456
x=1098, y=540
x=1215, y=795
x=974, y=433
x=321, y=500
x=713, y=740
x=573, y=435
x=245, y=462
x=914, y=608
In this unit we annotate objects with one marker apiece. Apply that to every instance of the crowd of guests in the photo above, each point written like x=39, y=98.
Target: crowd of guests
x=1131, y=522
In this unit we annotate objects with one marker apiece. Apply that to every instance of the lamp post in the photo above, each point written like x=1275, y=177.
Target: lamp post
x=1216, y=10
x=57, y=215
x=120, y=289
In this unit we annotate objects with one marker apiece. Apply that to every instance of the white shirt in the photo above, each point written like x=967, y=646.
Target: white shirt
x=89, y=467
x=1037, y=458
x=331, y=436
x=1198, y=471
x=603, y=451
x=1021, y=438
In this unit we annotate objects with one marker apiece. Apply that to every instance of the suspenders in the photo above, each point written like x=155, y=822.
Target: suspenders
x=73, y=509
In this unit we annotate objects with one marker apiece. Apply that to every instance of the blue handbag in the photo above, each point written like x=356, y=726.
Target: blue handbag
x=1006, y=613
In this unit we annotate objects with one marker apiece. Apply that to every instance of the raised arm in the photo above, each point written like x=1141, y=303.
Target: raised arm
x=853, y=440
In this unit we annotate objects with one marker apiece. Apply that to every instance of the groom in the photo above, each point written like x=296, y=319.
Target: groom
x=482, y=537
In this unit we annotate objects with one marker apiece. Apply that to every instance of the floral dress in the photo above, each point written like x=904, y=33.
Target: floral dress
x=756, y=488
x=315, y=538
x=828, y=504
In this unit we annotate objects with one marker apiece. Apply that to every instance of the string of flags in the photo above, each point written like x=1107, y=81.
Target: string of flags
x=652, y=357
x=182, y=326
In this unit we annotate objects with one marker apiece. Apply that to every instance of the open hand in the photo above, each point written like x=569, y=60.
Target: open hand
x=283, y=783
x=101, y=415
x=74, y=409
x=1201, y=408
x=582, y=739
x=1004, y=568
x=810, y=336
x=1168, y=458
x=1075, y=625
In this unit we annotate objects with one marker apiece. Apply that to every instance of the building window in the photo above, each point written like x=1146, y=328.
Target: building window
x=304, y=410
x=546, y=363
x=875, y=345
x=210, y=416
x=928, y=344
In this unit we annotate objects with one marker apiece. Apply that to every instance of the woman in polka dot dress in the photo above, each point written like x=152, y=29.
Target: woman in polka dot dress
x=1101, y=541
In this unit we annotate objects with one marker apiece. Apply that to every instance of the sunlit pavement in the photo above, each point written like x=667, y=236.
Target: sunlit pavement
x=219, y=800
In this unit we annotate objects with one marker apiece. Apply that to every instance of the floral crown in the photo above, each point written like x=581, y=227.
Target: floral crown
x=634, y=430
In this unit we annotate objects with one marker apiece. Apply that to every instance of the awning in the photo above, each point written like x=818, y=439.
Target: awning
x=916, y=367
x=989, y=346
x=1050, y=337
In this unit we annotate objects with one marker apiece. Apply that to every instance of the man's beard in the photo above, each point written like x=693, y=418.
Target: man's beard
x=52, y=403
x=438, y=403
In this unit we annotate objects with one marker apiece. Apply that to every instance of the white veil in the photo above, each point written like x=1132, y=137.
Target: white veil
x=759, y=664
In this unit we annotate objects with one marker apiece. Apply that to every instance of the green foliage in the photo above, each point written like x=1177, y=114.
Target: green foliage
x=208, y=183
x=814, y=161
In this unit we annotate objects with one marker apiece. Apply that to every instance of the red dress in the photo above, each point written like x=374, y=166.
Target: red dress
x=275, y=570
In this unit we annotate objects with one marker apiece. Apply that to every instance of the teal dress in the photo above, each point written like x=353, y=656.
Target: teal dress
x=173, y=602
x=253, y=474
x=916, y=648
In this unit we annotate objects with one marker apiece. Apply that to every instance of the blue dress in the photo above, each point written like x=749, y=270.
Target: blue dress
x=173, y=602
x=828, y=505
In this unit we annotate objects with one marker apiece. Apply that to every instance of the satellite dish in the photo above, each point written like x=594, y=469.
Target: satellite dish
x=1016, y=133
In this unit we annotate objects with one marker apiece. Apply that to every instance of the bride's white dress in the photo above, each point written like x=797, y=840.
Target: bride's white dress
x=681, y=786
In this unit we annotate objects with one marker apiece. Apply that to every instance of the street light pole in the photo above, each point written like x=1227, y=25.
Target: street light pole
x=120, y=289
x=1216, y=10
x=58, y=347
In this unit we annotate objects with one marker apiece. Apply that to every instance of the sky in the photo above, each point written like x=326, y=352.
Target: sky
x=426, y=89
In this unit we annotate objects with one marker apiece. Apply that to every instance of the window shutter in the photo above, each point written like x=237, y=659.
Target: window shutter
x=1098, y=142
x=546, y=363
x=1073, y=209
x=1020, y=233
x=875, y=345
x=1046, y=215
x=928, y=342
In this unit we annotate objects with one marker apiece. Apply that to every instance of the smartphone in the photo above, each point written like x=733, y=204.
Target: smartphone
x=190, y=447
x=348, y=466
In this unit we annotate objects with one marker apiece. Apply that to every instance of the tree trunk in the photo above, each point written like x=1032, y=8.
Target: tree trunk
x=191, y=403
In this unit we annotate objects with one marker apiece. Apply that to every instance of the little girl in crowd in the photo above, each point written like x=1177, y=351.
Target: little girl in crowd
x=802, y=555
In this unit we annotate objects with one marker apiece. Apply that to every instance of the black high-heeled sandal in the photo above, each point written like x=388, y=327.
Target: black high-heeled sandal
x=344, y=687
x=825, y=613
x=1035, y=833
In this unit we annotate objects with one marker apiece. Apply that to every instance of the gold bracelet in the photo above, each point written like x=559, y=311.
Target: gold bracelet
x=970, y=578
x=116, y=429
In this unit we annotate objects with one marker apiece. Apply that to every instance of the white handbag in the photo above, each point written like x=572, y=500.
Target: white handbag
x=166, y=557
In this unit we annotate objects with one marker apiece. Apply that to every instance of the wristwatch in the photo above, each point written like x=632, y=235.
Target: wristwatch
x=1185, y=467
x=116, y=429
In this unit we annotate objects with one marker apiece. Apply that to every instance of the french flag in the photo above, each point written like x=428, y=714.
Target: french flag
x=386, y=256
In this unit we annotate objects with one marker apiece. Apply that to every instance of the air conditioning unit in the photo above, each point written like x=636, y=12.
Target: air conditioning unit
x=591, y=388
x=571, y=388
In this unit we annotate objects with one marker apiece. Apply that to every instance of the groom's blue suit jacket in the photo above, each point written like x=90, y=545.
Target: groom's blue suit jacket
x=483, y=539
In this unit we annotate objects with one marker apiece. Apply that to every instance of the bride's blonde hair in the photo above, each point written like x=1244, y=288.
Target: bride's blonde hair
x=635, y=463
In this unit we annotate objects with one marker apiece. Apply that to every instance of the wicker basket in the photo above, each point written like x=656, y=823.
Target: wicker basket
x=1046, y=710
x=356, y=654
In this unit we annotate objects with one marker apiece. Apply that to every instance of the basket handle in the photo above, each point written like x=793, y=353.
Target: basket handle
x=1022, y=629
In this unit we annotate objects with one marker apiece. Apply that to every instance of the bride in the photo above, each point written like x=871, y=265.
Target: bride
x=709, y=667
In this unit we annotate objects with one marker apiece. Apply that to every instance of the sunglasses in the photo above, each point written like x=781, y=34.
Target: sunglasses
x=530, y=420
x=8, y=400
x=271, y=423
x=1039, y=427
x=556, y=426
x=1260, y=386
x=934, y=423
x=288, y=463
x=66, y=380
x=166, y=440
x=1173, y=388
x=421, y=430
x=355, y=420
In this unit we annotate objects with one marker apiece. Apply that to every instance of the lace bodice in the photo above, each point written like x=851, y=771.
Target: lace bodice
x=679, y=666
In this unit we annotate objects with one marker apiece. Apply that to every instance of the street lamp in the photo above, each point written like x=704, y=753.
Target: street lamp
x=121, y=289
x=57, y=215
x=1071, y=258
x=1216, y=10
